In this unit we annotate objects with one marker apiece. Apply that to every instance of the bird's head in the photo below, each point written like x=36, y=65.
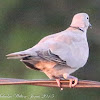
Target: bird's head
x=81, y=20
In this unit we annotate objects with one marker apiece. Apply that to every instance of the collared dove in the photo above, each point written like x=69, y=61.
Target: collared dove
x=60, y=54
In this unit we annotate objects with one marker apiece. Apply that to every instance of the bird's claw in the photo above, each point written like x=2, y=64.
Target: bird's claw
x=73, y=82
x=59, y=84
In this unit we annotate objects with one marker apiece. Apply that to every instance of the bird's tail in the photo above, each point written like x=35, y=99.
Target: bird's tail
x=17, y=55
x=22, y=54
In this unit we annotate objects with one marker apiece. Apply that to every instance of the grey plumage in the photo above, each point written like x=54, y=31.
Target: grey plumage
x=60, y=54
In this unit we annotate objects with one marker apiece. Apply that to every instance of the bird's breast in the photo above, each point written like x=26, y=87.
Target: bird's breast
x=79, y=54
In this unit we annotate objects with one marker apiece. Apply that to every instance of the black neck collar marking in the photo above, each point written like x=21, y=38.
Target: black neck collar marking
x=77, y=28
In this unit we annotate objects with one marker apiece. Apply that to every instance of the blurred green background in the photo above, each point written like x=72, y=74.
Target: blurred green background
x=23, y=23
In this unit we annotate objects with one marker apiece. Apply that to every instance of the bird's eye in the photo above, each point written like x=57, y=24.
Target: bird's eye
x=87, y=18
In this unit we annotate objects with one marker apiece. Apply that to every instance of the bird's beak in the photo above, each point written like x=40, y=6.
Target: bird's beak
x=90, y=26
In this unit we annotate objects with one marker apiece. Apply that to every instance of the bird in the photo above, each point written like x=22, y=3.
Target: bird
x=60, y=54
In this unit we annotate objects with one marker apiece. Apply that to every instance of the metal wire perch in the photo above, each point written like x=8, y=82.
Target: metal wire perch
x=49, y=83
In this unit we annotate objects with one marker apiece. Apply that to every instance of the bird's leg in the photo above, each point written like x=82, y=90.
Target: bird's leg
x=59, y=84
x=72, y=80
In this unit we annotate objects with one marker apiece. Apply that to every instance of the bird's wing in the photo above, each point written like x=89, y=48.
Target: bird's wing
x=42, y=56
x=49, y=56
x=42, y=45
x=32, y=51
x=65, y=45
x=60, y=44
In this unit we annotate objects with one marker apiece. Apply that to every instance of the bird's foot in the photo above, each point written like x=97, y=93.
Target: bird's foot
x=59, y=84
x=72, y=80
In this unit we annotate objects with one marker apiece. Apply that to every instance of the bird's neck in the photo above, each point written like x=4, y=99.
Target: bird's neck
x=80, y=28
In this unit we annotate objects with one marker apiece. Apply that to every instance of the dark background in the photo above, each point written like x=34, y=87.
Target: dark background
x=23, y=23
